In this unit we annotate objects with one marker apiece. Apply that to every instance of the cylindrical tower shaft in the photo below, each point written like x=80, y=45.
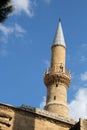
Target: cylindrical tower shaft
x=58, y=57
x=57, y=79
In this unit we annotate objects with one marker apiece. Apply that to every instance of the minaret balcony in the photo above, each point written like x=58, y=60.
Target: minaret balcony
x=57, y=75
x=59, y=70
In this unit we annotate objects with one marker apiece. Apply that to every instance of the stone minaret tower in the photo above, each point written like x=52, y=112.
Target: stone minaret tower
x=57, y=78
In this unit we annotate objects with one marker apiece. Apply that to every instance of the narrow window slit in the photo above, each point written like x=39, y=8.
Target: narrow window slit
x=56, y=85
x=54, y=97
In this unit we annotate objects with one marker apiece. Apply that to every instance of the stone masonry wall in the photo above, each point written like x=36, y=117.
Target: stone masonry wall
x=83, y=124
x=28, y=118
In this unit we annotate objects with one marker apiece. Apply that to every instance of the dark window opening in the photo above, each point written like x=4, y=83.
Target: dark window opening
x=54, y=97
x=56, y=85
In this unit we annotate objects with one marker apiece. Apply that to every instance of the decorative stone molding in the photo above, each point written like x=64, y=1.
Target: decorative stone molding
x=5, y=123
x=4, y=115
x=51, y=78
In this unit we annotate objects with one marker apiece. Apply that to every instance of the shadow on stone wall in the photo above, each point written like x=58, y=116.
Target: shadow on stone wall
x=24, y=118
x=76, y=127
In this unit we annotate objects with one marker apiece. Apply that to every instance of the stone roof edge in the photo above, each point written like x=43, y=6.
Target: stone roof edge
x=42, y=112
x=48, y=114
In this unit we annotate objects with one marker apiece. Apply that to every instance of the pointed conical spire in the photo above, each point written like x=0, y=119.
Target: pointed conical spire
x=59, y=37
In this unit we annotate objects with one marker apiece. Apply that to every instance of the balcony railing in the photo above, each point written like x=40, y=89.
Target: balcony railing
x=58, y=69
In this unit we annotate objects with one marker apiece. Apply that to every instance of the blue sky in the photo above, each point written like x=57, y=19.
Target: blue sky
x=25, y=50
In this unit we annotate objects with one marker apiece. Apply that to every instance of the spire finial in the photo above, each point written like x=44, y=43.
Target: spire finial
x=59, y=37
x=59, y=19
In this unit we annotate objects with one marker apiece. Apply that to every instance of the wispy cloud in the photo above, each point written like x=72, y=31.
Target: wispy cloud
x=19, y=31
x=23, y=6
x=47, y=1
x=43, y=102
x=5, y=31
x=84, y=76
x=83, y=58
x=78, y=106
x=46, y=64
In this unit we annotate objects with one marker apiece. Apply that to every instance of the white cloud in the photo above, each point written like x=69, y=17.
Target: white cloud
x=78, y=106
x=5, y=30
x=16, y=30
x=47, y=1
x=84, y=76
x=47, y=63
x=19, y=29
x=43, y=103
x=23, y=5
x=83, y=58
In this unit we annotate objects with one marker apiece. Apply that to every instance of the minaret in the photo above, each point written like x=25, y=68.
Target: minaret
x=57, y=78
